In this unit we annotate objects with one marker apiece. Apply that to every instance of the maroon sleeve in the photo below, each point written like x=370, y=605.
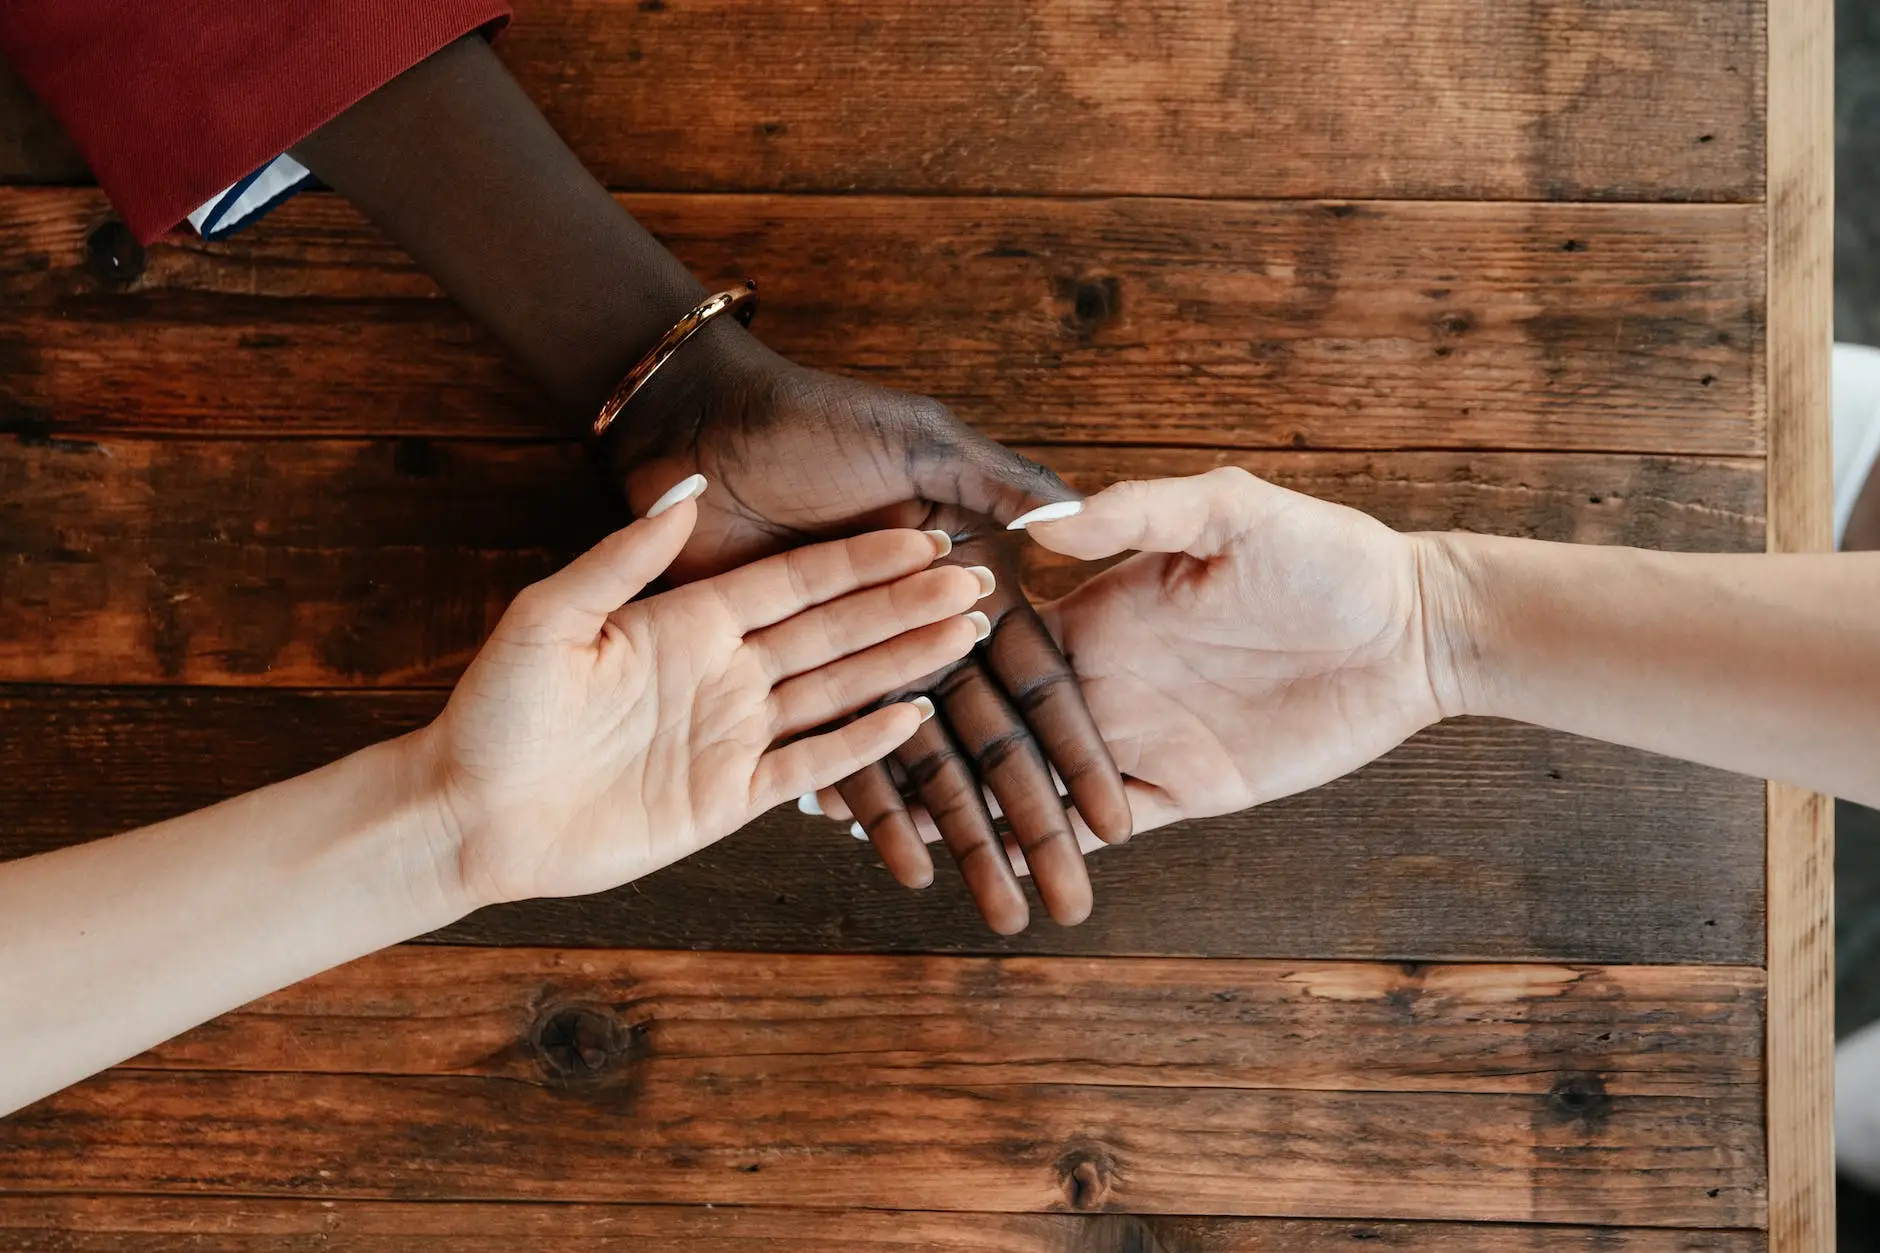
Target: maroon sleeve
x=172, y=102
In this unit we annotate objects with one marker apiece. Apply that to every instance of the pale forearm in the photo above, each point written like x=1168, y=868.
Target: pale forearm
x=1767, y=665
x=112, y=947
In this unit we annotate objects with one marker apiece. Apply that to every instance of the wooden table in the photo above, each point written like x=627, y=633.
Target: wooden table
x=1553, y=269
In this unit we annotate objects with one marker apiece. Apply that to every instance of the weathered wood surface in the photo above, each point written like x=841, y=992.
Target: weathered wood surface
x=292, y=561
x=1129, y=1022
x=1475, y=840
x=1466, y=99
x=1459, y=99
x=1610, y=327
x=1801, y=826
x=1621, y=1095
x=331, y=563
x=134, y=1224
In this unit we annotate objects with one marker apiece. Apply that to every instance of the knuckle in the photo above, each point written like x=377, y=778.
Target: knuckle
x=1230, y=478
x=1011, y=747
x=1049, y=688
x=1042, y=839
x=955, y=683
x=881, y=821
x=936, y=773
x=977, y=851
x=1128, y=492
x=962, y=811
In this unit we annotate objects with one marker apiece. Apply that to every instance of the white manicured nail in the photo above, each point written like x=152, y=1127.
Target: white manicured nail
x=1047, y=513
x=856, y=829
x=982, y=625
x=808, y=804
x=923, y=706
x=986, y=580
x=941, y=541
x=685, y=489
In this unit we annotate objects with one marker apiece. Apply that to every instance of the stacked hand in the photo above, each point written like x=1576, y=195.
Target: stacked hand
x=593, y=741
x=796, y=455
x=1259, y=643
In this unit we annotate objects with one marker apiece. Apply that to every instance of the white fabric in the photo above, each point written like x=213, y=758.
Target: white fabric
x=1856, y=393
x=240, y=203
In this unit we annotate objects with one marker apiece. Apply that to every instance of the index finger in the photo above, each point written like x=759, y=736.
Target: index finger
x=767, y=592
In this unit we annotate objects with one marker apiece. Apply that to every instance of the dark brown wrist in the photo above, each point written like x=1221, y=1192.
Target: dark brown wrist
x=711, y=370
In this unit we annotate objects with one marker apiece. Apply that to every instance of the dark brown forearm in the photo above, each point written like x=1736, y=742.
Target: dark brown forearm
x=461, y=170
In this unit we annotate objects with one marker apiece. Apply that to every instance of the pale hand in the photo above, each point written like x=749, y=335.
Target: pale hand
x=593, y=741
x=1262, y=642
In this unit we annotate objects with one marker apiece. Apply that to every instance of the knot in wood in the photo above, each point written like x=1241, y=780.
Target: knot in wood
x=1088, y=1176
x=1094, y=301
x=1581, y=1097
x=580, y=1043
x=113, y=254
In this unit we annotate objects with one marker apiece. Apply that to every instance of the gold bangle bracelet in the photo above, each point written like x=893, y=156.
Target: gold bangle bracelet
x=740, y=301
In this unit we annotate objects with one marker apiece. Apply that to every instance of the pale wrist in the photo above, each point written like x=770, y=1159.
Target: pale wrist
x=428, y=832
x=1452, y=578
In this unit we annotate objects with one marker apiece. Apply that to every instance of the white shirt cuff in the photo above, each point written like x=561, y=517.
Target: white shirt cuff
x=249, y=198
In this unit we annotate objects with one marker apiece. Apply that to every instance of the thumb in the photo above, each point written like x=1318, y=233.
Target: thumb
x=617, y=569
x=986, y=477
x=1199, y=516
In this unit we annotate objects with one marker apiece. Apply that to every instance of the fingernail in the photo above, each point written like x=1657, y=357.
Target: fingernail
x=856, y=829
x=923, y=707
x=986, y=580
x=942, y=542
x=808, y=804
x=982, y=626
x=1047, y=513
x=685, y=489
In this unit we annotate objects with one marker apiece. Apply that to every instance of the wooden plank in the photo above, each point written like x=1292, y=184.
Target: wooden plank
x=135, y=1224
x=1801, y=826
x=1474, y=840
x=1646, y=1031
x=1463, y=99
x=33, y=147
x=327, y=562
x=1607, y=1095
x=1613, y=327
x=283, y=562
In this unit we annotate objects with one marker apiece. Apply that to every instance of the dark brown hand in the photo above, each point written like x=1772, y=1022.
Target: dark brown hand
x=796, y=454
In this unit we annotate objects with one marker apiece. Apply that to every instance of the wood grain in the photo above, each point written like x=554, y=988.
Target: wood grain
x=373, y=562
x=1459, y=99
x=1692, y=1031
x=1475, y=840
x=1801, y=826
x=275, y=562
x=133, y=1224
x=1517, y=1093
x=1464, y=99
x=1280, y=325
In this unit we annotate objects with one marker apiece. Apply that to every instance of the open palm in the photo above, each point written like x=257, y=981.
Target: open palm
x=593, y=741
x=1265, y=643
